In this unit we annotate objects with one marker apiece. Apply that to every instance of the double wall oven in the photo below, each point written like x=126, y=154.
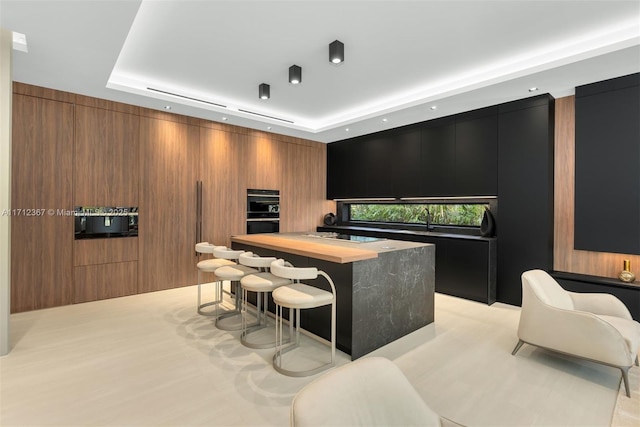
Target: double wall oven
x=263, y=211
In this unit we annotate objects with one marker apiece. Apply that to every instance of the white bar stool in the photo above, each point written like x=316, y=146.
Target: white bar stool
x=232, y=273
x=295, y=297
x=262, y=284
x=209, y=265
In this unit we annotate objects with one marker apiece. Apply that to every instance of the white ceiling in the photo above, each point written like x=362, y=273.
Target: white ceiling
x=401, y=57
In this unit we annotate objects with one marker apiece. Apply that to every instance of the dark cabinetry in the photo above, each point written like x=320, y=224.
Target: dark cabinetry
x=438, y=158
x=453, y=156
x=476, y=153
x=465, y=265
x=525, y=192
x=607, y=189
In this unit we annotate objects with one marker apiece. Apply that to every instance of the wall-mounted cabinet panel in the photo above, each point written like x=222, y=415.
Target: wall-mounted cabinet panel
x=303, y=189
x=224, y=189
x=407, y=147
x=607, y=186
x=106, y=158
x=337, y=172
x=452, y=156
x=476, y=154
x=356, y=169
x=104, y=251
x=346, y=169
x=167, y=214
x=378, y=156
x=525, y=193
x=263, y=162
x=438, y=158
x=101, y=281
x=41, y=194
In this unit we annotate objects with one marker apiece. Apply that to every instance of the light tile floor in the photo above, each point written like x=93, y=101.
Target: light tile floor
x=151, y=360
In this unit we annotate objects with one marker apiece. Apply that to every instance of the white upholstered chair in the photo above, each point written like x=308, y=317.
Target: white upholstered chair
x=596, y=327
x=295, y=297
x=372, y=391
x=262, y=283
x=209, y=265
x=233, y=274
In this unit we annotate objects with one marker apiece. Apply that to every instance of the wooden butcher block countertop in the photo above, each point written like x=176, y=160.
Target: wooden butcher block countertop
x=314, y=245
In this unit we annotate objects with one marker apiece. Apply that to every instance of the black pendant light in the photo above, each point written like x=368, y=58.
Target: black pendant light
x=264, y=91
x=295, y=75
x=336, y=52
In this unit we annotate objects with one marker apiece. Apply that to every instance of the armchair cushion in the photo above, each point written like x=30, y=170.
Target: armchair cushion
x=629, y=329
x=598, y=303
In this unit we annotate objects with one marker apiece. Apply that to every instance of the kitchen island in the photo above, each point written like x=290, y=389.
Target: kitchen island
x=384, y=287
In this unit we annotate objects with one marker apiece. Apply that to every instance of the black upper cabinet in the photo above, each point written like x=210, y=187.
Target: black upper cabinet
x=346, y=170
x=407, y=150
x=476, y=153
x=337, y=170
x=378, y=157
x=438, y=158
x=607, y=187
x=451, y=156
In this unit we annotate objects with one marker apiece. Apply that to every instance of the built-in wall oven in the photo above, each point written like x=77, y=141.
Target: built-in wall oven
x=263, y=211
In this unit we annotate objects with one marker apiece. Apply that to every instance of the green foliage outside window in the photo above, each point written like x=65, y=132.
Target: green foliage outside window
x=444, y=214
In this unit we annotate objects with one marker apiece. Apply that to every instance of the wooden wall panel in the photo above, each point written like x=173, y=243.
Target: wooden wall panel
x=101, y=281
x=42, y=162
x=106, y=158
x=43, y=92
x=169, y=160
x=167, y=219
x=103, y=251
x=264, y=161
x=222, y=171
x=303, y=200
x=566, y=258
x=106, y=105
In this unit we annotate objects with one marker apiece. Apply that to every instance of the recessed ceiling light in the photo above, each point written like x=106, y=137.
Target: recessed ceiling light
x=533, y=89
x=346, y=129
x=268, y=127
x=167, y=107
x=224, y=119
x=434, y=107
x=385, y=120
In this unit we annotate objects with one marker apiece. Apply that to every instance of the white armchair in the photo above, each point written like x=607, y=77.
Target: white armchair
x=596, y=327
x=371, y=391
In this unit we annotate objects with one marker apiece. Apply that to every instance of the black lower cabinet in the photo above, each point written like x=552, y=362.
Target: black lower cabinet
x=525, y=192
x=465, y=265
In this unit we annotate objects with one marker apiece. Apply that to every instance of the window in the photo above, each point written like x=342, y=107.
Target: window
x=447, y=214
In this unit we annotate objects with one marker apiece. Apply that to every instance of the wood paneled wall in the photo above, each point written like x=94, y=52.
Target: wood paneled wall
x=123, y=155
x=106, y=160
x=566, y=258
x=167, y=220
x=41, y=191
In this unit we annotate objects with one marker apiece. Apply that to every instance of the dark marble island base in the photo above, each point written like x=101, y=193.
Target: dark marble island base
x=382, y=295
